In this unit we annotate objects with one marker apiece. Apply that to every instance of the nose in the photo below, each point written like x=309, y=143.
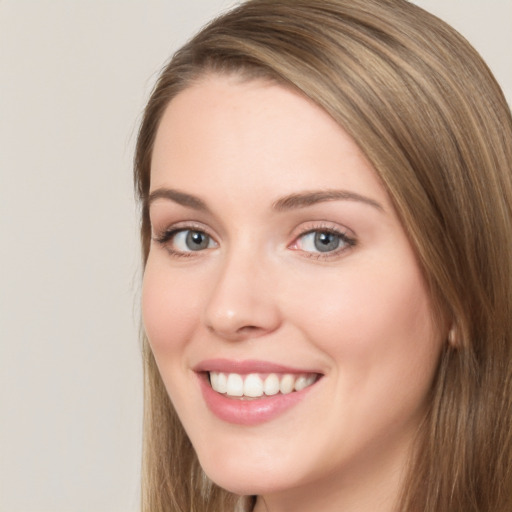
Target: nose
x=242, y=303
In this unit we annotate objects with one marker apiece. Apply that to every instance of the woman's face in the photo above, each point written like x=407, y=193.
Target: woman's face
x=280, y=274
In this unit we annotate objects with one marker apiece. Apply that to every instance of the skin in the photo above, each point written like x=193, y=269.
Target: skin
x=360, y=315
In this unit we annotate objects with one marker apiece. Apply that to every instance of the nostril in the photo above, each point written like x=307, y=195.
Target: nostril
x=249, y=328
x=240, y=333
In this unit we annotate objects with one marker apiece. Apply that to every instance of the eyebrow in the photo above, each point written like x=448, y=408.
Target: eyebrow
x=181, y=198
x=286, y=203
x=309, y=198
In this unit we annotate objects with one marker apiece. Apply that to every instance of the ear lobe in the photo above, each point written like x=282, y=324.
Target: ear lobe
x=452, y=337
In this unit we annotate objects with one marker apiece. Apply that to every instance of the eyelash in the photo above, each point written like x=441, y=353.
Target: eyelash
x=167, y=235
x=346, y=240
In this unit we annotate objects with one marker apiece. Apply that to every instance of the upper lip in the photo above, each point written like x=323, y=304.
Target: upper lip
x=247, y=366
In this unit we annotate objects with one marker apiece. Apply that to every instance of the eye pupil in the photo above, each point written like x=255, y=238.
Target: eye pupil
x=325, y=241
x=196, y=240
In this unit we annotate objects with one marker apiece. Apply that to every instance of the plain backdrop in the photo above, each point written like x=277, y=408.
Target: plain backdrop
x=74, y=76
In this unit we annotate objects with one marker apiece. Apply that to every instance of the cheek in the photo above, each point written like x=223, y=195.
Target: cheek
x=168, y=309
x=376, y=328
x=374, y=322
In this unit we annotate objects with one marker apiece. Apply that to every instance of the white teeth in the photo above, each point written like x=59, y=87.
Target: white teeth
x=304, y=382
x=214, y=380
x=301, y=383
x=271, y=385
x=235, y=385
x=222, y=382
x=253, y=386
x=287, y=384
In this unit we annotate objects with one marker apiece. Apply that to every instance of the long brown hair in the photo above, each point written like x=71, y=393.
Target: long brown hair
x=428, y=114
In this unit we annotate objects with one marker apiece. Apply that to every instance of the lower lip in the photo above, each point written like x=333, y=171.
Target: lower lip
x=248, y=412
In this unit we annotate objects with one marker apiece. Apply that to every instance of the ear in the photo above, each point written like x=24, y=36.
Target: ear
x=453, y=339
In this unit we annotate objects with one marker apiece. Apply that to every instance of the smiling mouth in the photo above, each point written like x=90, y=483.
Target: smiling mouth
x=257, y=385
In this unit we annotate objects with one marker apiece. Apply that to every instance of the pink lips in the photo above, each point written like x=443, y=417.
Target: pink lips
x=247, y=412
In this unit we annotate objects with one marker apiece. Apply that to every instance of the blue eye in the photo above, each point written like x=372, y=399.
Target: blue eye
x=187, y=240
x=323, y=241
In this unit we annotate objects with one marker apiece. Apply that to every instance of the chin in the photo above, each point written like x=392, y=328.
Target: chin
x=243, y=477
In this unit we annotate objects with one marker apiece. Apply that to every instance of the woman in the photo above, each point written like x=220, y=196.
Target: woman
x=326, y=228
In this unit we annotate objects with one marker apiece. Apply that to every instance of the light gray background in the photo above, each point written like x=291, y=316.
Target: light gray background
x=74, y=76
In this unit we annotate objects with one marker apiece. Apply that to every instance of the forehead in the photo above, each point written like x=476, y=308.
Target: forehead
x=223, y=133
